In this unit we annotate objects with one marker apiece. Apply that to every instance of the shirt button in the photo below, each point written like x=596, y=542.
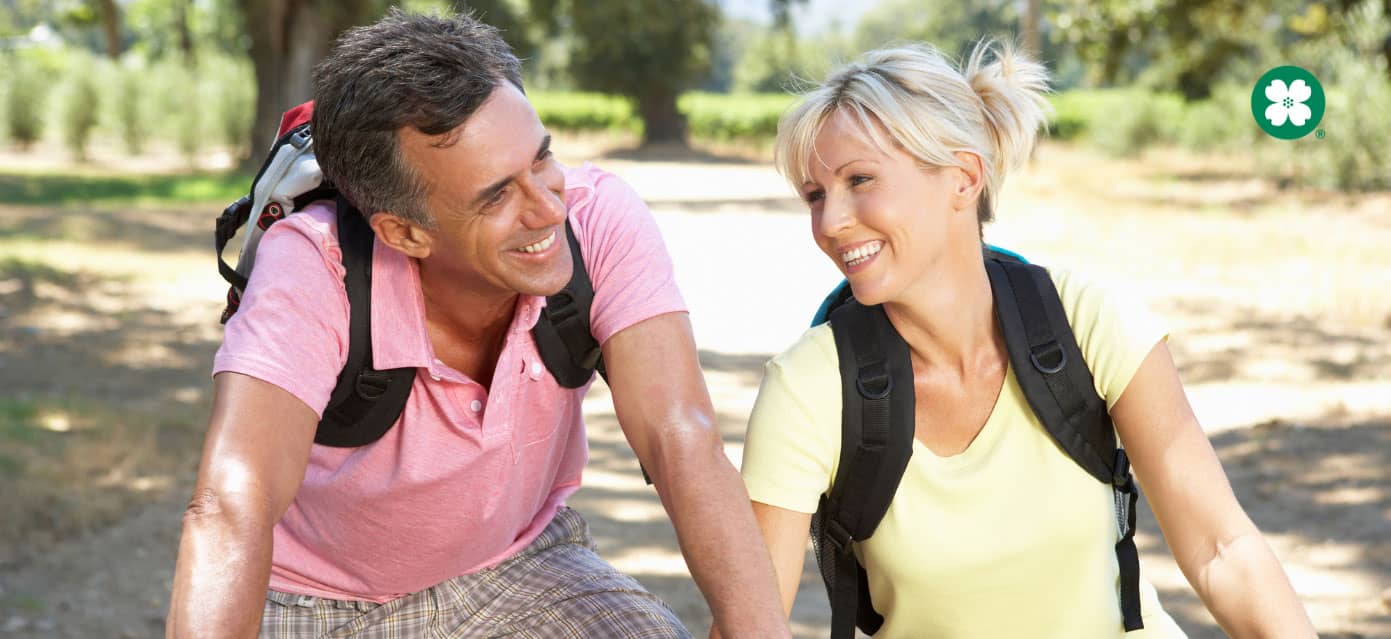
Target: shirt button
x=435, y=377
x=535, y=370
x=475, y=406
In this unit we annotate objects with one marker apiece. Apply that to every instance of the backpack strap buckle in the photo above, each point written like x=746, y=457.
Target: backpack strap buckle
x=1048, y=358
x=839, y=537
x=372, y=384
x=874, y=381
x=1120, y=476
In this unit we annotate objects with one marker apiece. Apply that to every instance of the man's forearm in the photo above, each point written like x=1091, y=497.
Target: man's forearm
x=720, y=540
x=222, y=574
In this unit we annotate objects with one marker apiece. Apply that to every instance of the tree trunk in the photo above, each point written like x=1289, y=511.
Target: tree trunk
x=1386, y=46
x=288, y=37
x=662, y=122
x=111, y=24
x=1030, y=28
x=181, y=11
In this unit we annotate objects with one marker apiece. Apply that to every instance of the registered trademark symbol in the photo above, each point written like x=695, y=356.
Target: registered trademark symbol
x=1319, y=134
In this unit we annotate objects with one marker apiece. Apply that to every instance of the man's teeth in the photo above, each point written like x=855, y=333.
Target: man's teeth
x=539, y=246
x=860, y=255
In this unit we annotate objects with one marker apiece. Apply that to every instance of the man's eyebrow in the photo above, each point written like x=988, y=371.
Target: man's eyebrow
x=496, y=187
x=544, y=148
x=489, y=191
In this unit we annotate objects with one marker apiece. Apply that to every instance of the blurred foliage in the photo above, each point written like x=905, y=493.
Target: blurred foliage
x=647, y=50
x=130, y=112
x=61, y=188
x=737, y=117
x=584, y=112
x=26, y=98
x=1129, y=75
x=80, y=102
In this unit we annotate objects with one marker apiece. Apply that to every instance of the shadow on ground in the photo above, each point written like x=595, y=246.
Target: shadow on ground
x=1320, y=494
x=147, y=230
x=102, y=405
x=1233, y=343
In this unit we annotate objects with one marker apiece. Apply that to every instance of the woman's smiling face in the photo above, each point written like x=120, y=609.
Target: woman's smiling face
x=879, y=214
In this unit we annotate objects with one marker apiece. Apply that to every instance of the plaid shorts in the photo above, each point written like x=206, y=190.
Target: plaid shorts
x=555, y=588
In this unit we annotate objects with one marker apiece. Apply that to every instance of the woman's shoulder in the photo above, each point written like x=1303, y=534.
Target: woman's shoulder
x=814, y=353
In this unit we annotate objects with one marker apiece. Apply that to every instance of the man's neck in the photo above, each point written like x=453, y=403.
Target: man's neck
x=466, y=325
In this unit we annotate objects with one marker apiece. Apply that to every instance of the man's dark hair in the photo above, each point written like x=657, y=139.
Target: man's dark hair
x=426, y=72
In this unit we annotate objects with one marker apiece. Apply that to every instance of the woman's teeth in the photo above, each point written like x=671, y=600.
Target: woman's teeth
x=861, y=254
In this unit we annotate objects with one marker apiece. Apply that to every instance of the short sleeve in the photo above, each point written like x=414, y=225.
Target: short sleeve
x=793, y=442
x=624, y=252
x=291, y=329
x=1114, y=331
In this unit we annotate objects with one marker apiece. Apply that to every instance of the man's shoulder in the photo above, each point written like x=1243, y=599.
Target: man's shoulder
x=588, y=184
x=317, y=222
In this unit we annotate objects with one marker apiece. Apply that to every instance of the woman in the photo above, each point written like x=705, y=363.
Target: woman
x=993, y=530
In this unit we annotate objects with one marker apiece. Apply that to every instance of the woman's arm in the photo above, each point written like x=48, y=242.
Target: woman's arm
x=785, y=531
x=1215, y=543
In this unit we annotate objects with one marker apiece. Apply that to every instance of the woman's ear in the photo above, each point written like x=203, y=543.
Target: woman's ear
x=970, y=180
x=400, y=234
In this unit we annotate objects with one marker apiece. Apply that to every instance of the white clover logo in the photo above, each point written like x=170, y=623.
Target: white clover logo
x=1288, y=102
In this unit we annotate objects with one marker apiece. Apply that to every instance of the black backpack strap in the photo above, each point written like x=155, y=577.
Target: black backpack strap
x=876, y=443
x=1055, y=379
x=562, y=335
x=366, y=402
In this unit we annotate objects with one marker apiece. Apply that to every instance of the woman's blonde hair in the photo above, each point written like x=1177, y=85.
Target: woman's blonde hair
x=930, y=109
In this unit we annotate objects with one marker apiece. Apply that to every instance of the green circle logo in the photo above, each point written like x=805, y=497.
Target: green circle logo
x=1288, y=102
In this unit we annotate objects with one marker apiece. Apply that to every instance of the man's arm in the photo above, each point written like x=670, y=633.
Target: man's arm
x=664, y=409
x=254, y=458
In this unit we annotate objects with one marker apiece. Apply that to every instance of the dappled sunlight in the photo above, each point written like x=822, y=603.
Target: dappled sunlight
x=646, y=562
x=55, y=422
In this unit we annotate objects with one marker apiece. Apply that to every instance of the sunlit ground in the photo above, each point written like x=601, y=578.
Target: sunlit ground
x=1275, y=299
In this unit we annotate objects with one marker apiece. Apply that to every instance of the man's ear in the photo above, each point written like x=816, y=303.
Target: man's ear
x=971, y=174
x=400, y=234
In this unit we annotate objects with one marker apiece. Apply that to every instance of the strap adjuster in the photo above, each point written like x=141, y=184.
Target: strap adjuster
x=874, y=381
x=1048, y=358
x=371, y=384
x=1121, y=478
x=839, y=537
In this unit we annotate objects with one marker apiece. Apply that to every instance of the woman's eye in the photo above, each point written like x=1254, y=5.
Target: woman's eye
x=856, y=180
x=815, y=196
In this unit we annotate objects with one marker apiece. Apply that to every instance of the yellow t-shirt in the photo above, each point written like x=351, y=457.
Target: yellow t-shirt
x=1010, y=538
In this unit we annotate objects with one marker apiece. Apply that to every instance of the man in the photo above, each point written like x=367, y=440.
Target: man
x=452, y=524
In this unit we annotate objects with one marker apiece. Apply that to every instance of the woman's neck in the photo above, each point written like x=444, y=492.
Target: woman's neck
x=948, y=317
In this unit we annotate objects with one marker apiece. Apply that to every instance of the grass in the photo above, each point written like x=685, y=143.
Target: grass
x=29, y=271
x=65, y=189
x=70, y=465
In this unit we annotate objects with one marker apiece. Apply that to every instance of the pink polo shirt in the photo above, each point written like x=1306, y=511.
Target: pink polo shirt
x=466, y=478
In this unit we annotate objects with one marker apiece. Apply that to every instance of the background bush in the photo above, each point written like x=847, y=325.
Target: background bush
x=81, y=102
x=26, y=95
x=745, y=118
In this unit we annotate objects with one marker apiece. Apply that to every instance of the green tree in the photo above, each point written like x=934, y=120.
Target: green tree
x=287, y=38
x=1192, y=45
x=508, y=19
x=952, y=27
x=647, y=50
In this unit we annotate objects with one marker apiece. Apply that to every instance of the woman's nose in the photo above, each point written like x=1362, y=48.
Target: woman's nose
x=836, y=216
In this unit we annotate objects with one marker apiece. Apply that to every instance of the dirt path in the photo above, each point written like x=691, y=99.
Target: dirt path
x=1276, y=302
